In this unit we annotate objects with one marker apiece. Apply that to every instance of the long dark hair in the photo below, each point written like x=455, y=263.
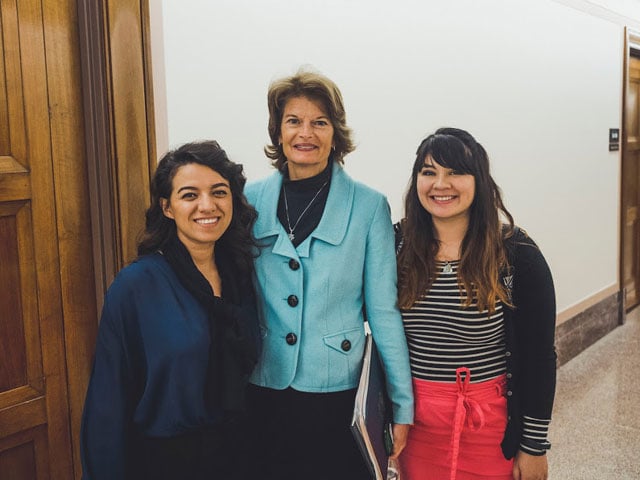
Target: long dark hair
x=483, y=249
x=237, y=243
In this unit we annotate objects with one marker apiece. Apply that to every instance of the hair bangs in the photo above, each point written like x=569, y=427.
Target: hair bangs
x=448, y=151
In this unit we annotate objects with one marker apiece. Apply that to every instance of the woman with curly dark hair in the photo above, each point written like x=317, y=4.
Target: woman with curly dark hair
x=178, y=335
x=478, y=307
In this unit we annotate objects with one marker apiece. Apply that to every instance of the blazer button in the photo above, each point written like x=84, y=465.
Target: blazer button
x=509, y=393
x=507, y=354
x=292, y=300
x=509, y=375
x=345, y=345
x=294, y=264
x=291, y=338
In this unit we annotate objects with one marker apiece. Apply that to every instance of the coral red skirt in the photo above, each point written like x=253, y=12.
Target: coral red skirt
x=457, y=431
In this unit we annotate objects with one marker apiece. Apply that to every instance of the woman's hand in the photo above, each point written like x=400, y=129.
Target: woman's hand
x=530, y=467
x=400, y=433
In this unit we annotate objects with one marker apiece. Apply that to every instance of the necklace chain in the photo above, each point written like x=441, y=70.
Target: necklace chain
x=286, y=210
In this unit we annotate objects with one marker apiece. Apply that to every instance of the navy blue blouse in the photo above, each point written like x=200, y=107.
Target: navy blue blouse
x=150, y=367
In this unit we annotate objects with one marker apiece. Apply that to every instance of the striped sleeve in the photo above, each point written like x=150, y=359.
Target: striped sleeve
x=534, y=436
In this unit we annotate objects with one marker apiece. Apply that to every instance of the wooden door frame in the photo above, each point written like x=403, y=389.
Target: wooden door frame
x=631, y=42
x=112, y=110
x=120, y=152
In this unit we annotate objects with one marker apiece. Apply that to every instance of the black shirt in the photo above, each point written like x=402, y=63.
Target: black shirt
x=305, y=200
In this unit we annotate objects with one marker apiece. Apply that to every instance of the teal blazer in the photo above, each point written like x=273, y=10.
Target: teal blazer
x=312, y=296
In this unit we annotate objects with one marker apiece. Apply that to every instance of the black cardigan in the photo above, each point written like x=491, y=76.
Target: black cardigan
x=529, y=336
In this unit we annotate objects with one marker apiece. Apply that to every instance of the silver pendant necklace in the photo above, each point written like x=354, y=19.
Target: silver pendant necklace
x=447, y=267
x=286, y=210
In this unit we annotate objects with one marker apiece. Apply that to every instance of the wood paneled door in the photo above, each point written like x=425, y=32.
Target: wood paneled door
x=46, y=278
x=38, y=169
x=52, y=220
x=630, y=173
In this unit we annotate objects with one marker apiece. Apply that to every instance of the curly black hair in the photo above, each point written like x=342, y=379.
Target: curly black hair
x=237, y=243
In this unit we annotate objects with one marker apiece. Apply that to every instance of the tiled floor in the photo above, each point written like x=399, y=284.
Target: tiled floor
x=595, y=430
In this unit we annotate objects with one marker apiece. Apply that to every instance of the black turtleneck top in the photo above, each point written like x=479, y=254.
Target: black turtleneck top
x=309, y=192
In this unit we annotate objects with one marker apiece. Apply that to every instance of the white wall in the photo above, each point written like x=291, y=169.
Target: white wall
x=538, y=82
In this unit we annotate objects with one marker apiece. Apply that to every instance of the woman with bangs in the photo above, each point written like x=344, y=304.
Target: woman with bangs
x=478, y=307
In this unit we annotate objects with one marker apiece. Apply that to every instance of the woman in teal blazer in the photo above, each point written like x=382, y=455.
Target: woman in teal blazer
x=327, y=251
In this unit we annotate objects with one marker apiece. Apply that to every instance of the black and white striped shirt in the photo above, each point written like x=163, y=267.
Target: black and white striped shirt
x=443, y=335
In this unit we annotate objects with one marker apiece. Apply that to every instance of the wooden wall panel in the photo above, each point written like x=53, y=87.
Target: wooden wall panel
x=25, y=456
x=13, y=81
x=13, y=357
x=28, y=211
x=4, y=104
x=73, y=222
x=17, y=231
x=44, y=210
x=19, y=462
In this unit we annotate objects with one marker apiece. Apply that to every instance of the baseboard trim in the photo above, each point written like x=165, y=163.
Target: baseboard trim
x=576, y=333
x=580, y=307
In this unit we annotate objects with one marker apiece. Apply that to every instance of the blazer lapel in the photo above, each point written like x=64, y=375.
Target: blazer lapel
x=332, y=227
x=335, y=218
x=267, y=224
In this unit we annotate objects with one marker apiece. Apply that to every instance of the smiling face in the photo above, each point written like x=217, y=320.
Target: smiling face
x=201, y=204
x=306, y=134
x=445, y=193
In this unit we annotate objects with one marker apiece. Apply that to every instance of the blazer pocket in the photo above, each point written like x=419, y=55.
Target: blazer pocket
x=346, y=342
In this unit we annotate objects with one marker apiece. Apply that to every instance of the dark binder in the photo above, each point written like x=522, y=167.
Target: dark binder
x=372, y=413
